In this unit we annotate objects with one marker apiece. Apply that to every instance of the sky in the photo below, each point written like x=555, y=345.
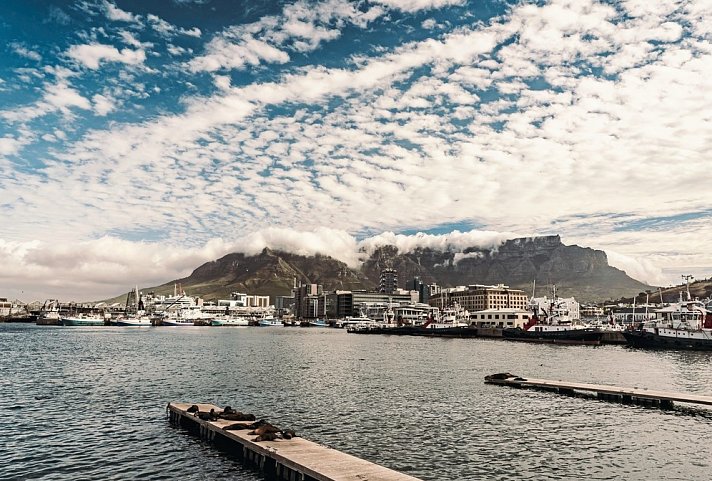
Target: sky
x=140, y=139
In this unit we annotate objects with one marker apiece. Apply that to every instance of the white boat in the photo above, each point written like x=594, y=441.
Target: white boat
x=355, y=322
x=450, y=317
x=135, y=315
x=270, y=322
x=138, y=320
x=683, y=325
x=230, y=321
x=188, y=316
x=177, y=321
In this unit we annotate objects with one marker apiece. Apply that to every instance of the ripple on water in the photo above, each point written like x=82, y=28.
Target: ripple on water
x=90, y=404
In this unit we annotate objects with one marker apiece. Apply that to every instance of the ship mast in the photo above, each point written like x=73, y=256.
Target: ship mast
x=687, y=278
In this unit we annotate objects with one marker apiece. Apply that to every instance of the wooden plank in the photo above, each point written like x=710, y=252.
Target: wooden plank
x=307, y=457
x=635, y=392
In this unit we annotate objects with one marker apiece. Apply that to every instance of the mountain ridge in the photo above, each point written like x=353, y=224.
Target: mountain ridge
x=577, y=271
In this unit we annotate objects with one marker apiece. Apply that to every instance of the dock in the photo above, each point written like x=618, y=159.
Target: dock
x=625, y=395
x=295, y=459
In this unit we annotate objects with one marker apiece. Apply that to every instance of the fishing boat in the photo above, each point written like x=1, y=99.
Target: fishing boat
x=49, y=314
x=135, y=314
x=270, y=321
x=230, y=321
x=683, y=325
x=83, y=320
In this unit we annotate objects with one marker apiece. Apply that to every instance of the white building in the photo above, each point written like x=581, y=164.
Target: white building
x=500, y=318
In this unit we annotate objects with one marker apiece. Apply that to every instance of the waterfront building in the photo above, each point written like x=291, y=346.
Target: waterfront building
x=545, y=305
x=501, y=318
x=306, y=300
x=388, y=281
x=478, y=297
x=342, y=304
x=634, y=315
x=5, y=307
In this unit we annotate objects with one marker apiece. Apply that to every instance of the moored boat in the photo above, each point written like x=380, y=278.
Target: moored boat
x=230, y=321
x=83, y=320
x=269, y=321
x=684, y=325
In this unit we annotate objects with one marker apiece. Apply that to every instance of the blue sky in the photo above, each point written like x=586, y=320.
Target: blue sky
x=139, y=139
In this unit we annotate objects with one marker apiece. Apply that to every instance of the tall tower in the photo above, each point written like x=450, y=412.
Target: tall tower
x=389, y=281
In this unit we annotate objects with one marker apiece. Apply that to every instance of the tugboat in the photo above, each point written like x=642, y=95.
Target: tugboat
x=684, y=325
x=555, y=326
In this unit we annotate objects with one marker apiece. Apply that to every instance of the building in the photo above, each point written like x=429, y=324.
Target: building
x=500, y=318
x=479, y=297
x=420, y=287
x=307, y=299
x=342, y=304
x=5, y=307
x=388, y=282
x=561, y=307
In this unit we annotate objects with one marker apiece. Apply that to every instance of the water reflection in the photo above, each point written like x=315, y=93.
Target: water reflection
x=89, y=403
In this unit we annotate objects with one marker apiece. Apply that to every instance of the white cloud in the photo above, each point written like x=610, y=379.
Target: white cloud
x=91, y=55
x=415, y=5
x=168, y=30
x=103, y=105
x=23, y=51
x=115, y=13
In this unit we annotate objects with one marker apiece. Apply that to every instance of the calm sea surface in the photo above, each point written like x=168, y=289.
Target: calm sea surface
x=89, y=403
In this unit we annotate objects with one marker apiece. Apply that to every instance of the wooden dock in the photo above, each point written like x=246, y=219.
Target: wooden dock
x=626, y=395
x=295, y=459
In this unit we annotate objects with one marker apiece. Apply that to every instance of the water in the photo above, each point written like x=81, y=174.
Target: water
x=89, y=403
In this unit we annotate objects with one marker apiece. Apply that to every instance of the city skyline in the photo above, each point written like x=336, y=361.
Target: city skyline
x=140, y=139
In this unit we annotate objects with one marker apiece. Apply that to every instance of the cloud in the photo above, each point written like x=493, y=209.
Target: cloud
x=640, y=269
x=23, y=51
x=168, y=30
x=91, y=55
x=103, y=105
x=415, y=5
x=115, y=13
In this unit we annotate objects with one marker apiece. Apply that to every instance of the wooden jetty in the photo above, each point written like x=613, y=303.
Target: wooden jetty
x=626, y=395
x=295, y=459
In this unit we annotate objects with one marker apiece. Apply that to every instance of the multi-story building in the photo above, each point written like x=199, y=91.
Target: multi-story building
x=420, y=287
x=388, y=281
x=481, y=297
x=307, y=299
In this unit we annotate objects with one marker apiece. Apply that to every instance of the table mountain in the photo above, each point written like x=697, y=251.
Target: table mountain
x=581, y=272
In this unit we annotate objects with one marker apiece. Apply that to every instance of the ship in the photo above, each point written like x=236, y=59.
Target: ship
x=686, y=325
x=553, y=323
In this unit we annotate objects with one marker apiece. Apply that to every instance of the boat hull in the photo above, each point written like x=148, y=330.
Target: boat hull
x=230, y=322
x=570, y=336
x=81, y=322
x=650, y=340
x=133, y=323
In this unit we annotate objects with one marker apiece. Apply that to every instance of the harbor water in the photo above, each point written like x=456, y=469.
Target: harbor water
x=89, y=403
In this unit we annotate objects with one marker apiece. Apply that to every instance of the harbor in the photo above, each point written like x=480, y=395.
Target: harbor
x=415, y=405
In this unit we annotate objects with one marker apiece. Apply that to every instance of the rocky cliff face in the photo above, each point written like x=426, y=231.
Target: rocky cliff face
x=268, y=273
x=581, y=272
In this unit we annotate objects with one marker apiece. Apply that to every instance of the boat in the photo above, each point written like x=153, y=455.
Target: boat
x=554, y=326
x=135, y=315
x=355, y=322
x=230, y=321
x=270, y=321
x=319, y=323
x=49, y=314
x=683, y=325
x=83, y=320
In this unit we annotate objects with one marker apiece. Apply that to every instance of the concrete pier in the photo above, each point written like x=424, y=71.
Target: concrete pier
x=625, y=395
x=295, y=459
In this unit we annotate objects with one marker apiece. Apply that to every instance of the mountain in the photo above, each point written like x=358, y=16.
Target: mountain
x=267, y=273
x=577, y=271
x=581, y=272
